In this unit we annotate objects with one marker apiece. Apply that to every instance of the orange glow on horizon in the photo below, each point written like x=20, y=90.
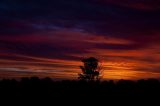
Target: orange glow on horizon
x=117, y=63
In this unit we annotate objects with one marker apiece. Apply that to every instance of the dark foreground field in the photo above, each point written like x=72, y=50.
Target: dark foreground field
x=35, y=89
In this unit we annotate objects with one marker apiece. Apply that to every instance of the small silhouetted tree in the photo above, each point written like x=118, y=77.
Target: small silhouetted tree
x=91, y=69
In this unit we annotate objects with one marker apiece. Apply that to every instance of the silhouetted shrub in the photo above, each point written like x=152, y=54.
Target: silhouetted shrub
x=74, y=89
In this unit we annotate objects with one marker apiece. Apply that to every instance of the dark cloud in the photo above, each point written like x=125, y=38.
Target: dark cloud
x=114, y=18
x=136, y=4
x=119, y=46
x=28, y=16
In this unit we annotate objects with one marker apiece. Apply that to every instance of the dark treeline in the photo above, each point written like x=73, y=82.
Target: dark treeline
x=36, y=88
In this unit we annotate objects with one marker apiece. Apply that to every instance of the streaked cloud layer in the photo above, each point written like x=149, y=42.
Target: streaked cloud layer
x=50, y=37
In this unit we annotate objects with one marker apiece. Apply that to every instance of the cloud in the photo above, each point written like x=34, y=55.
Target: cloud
x=136, y=4
x=32, y=32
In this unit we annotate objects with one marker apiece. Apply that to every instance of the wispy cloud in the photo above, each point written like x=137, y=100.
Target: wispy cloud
x=53, y=36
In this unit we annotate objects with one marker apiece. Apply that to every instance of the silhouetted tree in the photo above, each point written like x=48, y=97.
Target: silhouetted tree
x=91, y=69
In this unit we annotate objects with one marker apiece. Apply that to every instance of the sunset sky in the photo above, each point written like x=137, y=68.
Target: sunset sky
x=48, y=38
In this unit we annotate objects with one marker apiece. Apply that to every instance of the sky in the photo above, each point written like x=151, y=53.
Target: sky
x=48, y=38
